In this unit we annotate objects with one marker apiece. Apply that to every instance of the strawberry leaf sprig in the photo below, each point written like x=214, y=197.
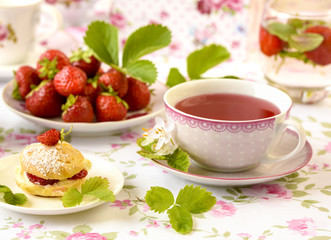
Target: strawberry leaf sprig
x=93, y=188
x=11, y=198
x=199, y=62
x=178, y=159
x=190, y=200
x=102, y=39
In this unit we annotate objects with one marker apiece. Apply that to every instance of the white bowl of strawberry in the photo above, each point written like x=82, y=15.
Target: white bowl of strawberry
x=64, y=92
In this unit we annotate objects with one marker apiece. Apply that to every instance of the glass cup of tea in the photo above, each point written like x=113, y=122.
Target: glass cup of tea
x=295, y=44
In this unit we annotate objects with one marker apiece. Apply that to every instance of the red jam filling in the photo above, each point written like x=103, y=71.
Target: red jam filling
x=41, y=181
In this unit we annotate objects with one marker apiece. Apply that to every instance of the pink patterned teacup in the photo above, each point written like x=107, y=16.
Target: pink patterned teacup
x=19, y=20
x=231, y=145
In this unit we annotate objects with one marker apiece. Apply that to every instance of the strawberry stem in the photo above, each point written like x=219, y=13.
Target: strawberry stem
x=63, y=134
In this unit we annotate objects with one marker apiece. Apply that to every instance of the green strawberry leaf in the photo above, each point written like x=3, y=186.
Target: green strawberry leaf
x=174, y=77
x=102, y=39
x=4, y=189
x=94, y=183
x=103, y=194
x=145, y=40
x=304, y=42
x=18, y=199
x=159, y=199
x=281, y=30
x=72, y=198
x=179, y=160
x=143, y=70
x=189, y=200
x=200, y=61
x=195, y=200
x=9, y=197
x=95, y=186
x=152, y=155
x=180, y=219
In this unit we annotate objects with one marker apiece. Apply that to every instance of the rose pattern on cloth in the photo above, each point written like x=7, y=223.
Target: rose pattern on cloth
x=223, y=209
x=304, y=227
x=269, y=191
x=86, y=236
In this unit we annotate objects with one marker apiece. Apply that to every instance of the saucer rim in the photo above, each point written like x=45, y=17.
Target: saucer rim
x=308, y=156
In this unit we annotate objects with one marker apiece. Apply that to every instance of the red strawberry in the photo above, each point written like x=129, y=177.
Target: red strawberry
x=50, y=63
x=92, y=89
x=269, y=44
x=85, y=61
x=26, y=76
x=41, y=181
x=116, y=80
x=91, y=92
x=138, y=95
x=50, y=137
x=322, y=54
x=109, y=108
x=79, y=175
x=77, y=109
x=44, y=101
x=70, y=80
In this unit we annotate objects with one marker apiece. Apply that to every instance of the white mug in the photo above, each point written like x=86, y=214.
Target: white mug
x=237, y=145
x=18, y=23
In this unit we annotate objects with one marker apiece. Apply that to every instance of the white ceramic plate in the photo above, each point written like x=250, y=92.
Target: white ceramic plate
x=53, y=206
x=261, y=173
x=90, y=129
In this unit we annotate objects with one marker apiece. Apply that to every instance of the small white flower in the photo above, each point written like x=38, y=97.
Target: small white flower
x=162, y=133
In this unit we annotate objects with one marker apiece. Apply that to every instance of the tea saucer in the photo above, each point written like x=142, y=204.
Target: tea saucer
x=261, y=173
x=6, y=71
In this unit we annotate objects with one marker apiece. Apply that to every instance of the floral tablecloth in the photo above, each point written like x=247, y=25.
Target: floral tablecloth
x=296, y=206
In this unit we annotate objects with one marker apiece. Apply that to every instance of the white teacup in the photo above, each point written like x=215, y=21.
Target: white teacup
x=231, y=146
x=18, y=22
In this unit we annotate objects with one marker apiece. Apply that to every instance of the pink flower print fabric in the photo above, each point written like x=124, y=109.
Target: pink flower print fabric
x=193, y=23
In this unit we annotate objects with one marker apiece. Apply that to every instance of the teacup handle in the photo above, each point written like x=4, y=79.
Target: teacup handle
x=296, y=127
x=56, y=22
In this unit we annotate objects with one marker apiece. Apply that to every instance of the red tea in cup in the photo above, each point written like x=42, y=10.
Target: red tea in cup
x=227, y=106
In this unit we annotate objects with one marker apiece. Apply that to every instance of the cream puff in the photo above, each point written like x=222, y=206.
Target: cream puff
x=50, y=171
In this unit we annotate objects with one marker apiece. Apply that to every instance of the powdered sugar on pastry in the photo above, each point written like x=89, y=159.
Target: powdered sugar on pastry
x=47, y=159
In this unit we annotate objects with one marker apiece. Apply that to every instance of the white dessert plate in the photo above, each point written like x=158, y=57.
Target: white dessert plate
x=154, y=108
x=53, y=206
x=261, y=173
x=6, y=71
